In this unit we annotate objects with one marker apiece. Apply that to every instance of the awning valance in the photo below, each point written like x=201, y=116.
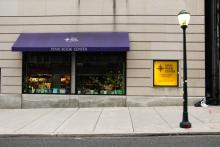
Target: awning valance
x=78, y=42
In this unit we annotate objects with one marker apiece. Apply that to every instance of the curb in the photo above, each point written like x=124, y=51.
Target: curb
x=106, y=135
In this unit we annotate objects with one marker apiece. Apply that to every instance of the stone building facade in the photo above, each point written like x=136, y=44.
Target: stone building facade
x=154, y=34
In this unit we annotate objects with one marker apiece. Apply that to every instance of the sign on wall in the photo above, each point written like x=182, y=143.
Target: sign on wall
x=166, y=73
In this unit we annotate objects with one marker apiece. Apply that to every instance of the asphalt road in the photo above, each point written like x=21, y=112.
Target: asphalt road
x=150, y=141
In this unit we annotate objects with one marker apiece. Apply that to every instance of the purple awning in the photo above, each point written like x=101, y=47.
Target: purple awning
x=79, y=42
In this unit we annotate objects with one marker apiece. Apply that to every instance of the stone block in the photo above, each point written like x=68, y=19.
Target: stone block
x=10, y=101
x=73, y=101
x=45, y=101
x=102, y=101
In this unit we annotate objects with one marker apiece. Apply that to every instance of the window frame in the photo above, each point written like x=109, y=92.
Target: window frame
x=24, y=72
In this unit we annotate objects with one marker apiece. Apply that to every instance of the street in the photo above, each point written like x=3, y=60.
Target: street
x=141, y=141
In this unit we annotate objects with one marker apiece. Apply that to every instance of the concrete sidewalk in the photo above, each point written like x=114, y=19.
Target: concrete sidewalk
x=108, y=121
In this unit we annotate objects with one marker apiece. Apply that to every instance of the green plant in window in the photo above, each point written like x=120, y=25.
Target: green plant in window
x=114, y=80
x=110, y=78
x=119, y=79
x=109, y=82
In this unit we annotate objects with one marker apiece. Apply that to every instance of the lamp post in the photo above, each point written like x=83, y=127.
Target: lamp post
x=184, y=18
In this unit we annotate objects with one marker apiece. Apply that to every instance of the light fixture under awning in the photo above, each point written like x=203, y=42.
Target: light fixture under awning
x=73, y=42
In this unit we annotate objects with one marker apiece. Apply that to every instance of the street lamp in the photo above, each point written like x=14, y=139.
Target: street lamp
x=184, y=18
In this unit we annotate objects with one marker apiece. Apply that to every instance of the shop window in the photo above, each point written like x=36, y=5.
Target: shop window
x=45, y=73
x=100, y=73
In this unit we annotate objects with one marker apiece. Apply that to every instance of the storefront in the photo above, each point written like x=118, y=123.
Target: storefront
x=105, y=54
x=73, y=63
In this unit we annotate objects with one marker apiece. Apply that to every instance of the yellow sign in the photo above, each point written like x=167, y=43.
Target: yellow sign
x=165, y=73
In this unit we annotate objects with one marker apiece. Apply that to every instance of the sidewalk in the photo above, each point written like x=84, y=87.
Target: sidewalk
x=108, y=121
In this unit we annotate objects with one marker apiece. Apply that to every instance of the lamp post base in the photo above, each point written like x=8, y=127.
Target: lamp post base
x=185, y=124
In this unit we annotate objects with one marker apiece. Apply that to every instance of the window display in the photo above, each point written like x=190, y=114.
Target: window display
x=100, y=73
x=46, y=73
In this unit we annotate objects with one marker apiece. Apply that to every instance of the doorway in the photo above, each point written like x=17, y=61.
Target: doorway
x=212, y=67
